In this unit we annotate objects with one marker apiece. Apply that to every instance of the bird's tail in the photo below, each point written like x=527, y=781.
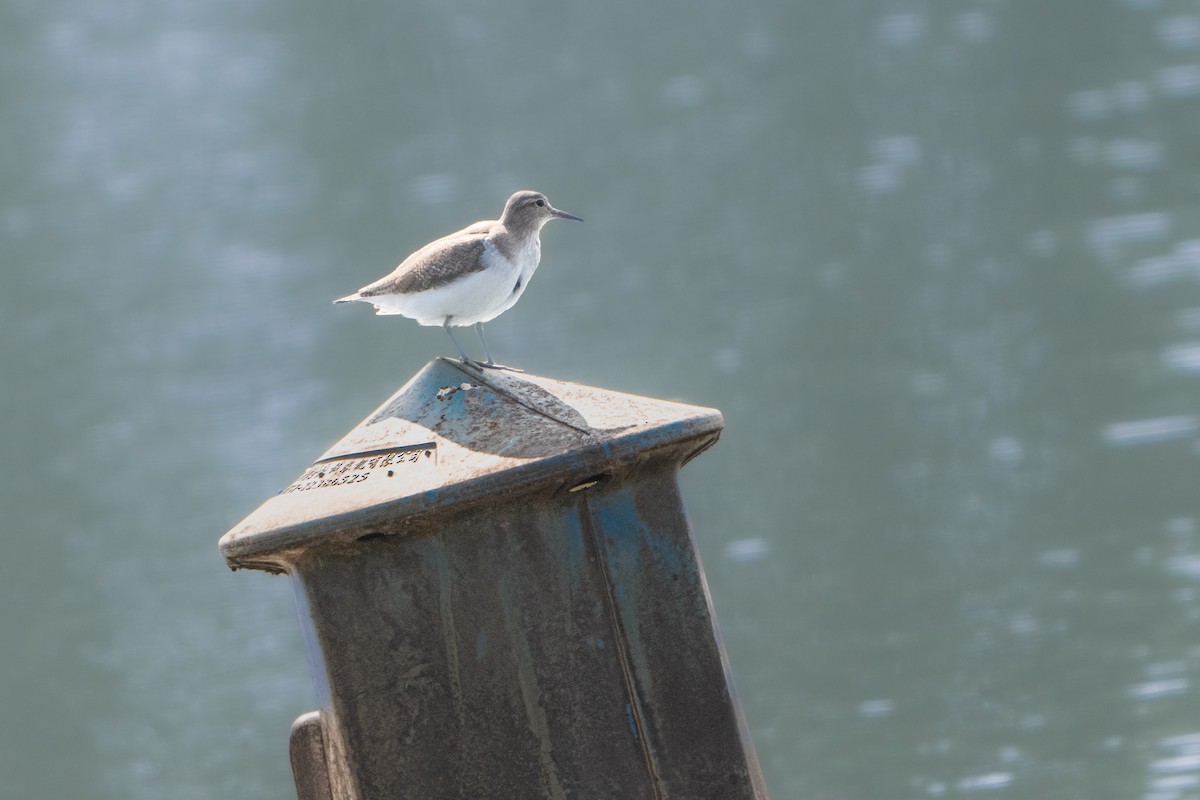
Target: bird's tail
x=350, y=298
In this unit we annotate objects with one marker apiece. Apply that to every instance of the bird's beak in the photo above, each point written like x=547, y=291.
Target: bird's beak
x=554, y=212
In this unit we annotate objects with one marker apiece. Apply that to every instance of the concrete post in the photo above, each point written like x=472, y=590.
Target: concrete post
x=501, y=599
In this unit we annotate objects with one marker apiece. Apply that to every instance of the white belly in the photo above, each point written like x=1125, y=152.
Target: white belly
x=476, y=297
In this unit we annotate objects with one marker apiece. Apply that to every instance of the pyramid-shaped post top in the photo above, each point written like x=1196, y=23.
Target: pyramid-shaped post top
x=456, y=434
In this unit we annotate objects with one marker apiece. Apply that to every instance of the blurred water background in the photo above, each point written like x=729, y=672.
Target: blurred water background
x=937, y=263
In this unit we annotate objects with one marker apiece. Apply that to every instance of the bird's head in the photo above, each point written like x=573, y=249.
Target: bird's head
x=528, y=210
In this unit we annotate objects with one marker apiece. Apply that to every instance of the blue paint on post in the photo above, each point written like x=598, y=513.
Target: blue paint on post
x=631, y=720
x=480, y=645
x=621, y=525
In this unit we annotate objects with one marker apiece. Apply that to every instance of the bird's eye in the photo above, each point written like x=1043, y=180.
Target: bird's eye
x=541, y=203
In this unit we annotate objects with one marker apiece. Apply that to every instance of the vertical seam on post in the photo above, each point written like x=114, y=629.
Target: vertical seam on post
x=635, y=708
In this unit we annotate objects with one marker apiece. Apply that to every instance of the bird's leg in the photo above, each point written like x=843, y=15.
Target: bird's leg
x=466, y=358
x=486, y=350
x=490, y=363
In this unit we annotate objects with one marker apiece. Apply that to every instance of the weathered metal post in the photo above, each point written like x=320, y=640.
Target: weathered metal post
x=501, y=599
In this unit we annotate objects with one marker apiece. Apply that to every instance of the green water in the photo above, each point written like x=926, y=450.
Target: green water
x=937, y=263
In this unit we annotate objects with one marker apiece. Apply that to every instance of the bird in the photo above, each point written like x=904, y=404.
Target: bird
x=468, y=277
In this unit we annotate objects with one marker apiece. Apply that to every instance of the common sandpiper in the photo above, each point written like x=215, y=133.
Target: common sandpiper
x=468, y=277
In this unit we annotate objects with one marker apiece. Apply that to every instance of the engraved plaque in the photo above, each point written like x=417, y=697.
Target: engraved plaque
x=382, y=464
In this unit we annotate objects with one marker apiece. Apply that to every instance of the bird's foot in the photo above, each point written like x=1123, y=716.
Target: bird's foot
x=494, y=365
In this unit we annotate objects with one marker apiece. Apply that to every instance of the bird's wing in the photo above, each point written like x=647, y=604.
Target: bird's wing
x=436, y=264
x=483, y=226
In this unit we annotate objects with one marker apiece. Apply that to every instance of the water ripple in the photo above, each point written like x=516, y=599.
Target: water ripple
x=1152, y=690
x=1179, y=81
x=1107, y=235
x=991, y=780
x=1180, y=33
x=1147, y=431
